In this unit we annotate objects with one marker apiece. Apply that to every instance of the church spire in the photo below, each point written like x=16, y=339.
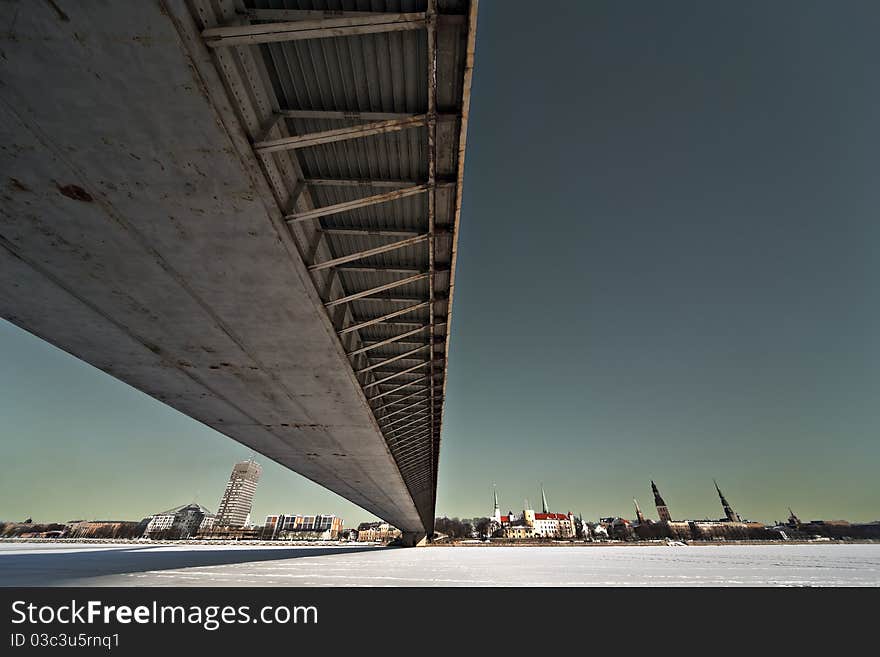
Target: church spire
x=728, y=510
x=545, y=508
x=639, y=515
x=662, y=509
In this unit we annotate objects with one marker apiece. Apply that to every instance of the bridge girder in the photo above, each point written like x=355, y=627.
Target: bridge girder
x=312, y=157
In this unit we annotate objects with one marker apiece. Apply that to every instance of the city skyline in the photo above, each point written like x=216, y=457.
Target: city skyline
x=666, y=270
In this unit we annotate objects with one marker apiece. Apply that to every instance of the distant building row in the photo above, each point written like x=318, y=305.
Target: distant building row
x=232, y=521
x=546, y=524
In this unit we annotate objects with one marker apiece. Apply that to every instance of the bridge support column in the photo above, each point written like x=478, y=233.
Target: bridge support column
x=414, y=539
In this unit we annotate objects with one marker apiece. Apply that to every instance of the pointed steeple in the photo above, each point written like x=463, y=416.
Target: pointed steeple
x=495, y=495
x=728, y=510
x=662, y=509
x=658, y=501
x=545, y=508
x=639, y=515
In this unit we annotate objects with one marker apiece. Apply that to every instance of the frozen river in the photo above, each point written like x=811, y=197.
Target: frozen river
x=46, y=564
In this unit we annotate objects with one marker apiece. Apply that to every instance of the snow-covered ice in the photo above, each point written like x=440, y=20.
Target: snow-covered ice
x=46, y=564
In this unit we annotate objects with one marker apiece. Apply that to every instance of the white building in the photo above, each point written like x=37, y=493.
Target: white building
x=535, y=525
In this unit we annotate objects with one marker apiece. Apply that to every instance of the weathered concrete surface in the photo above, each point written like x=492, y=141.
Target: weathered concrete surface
x=137, y=234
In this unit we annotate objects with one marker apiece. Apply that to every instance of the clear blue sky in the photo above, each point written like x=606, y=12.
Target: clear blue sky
x=668, y=269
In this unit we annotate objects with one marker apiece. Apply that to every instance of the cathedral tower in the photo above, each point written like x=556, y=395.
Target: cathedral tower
x=662, y=509
x=639, y=515
x=728, y=510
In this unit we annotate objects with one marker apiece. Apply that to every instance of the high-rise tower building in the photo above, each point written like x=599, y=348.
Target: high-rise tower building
x=238, y=498
x=731, y=515
x=662, y=509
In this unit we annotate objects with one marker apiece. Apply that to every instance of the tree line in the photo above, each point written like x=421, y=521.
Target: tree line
x=463, y=528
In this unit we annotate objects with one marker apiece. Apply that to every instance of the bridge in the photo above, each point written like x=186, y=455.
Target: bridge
x=248, y=211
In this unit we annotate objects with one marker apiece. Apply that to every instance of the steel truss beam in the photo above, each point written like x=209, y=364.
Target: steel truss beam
x=421, y=389
x=340, y=134
x=396, y=374
x=360, y=182
x=417, y=477
x=391, y=404
x=415, y=460
x=409, y=343
x=377, y=320
x=242, y=35
x=398, y=299
x=405, y=451
x=392, y=432
x=420, y=484
x=365, y=182
x=401, y=387
x=409, y=432
x=276, y=15
x=344, y=115
x=357, y=203
x=409, y=459
x=418, y=415
x=380, y=270
x=388, y=341
x=405, y=324
x=392, y=359
x=400, y=398
x=405, y=408
x=386, y=372
x=369, y=232
x=304, y=14
x=410, y=438
x=415, y=447
x=415, y=443
x=389, y=413
x=412, y=411
x=405, y=430
x=376, y=290
x=413, y=450
x=368, y=252
x=408, y=412
x=415, y=463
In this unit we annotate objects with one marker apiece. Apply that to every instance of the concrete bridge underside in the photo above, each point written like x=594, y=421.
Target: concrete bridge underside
x=147, y=229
